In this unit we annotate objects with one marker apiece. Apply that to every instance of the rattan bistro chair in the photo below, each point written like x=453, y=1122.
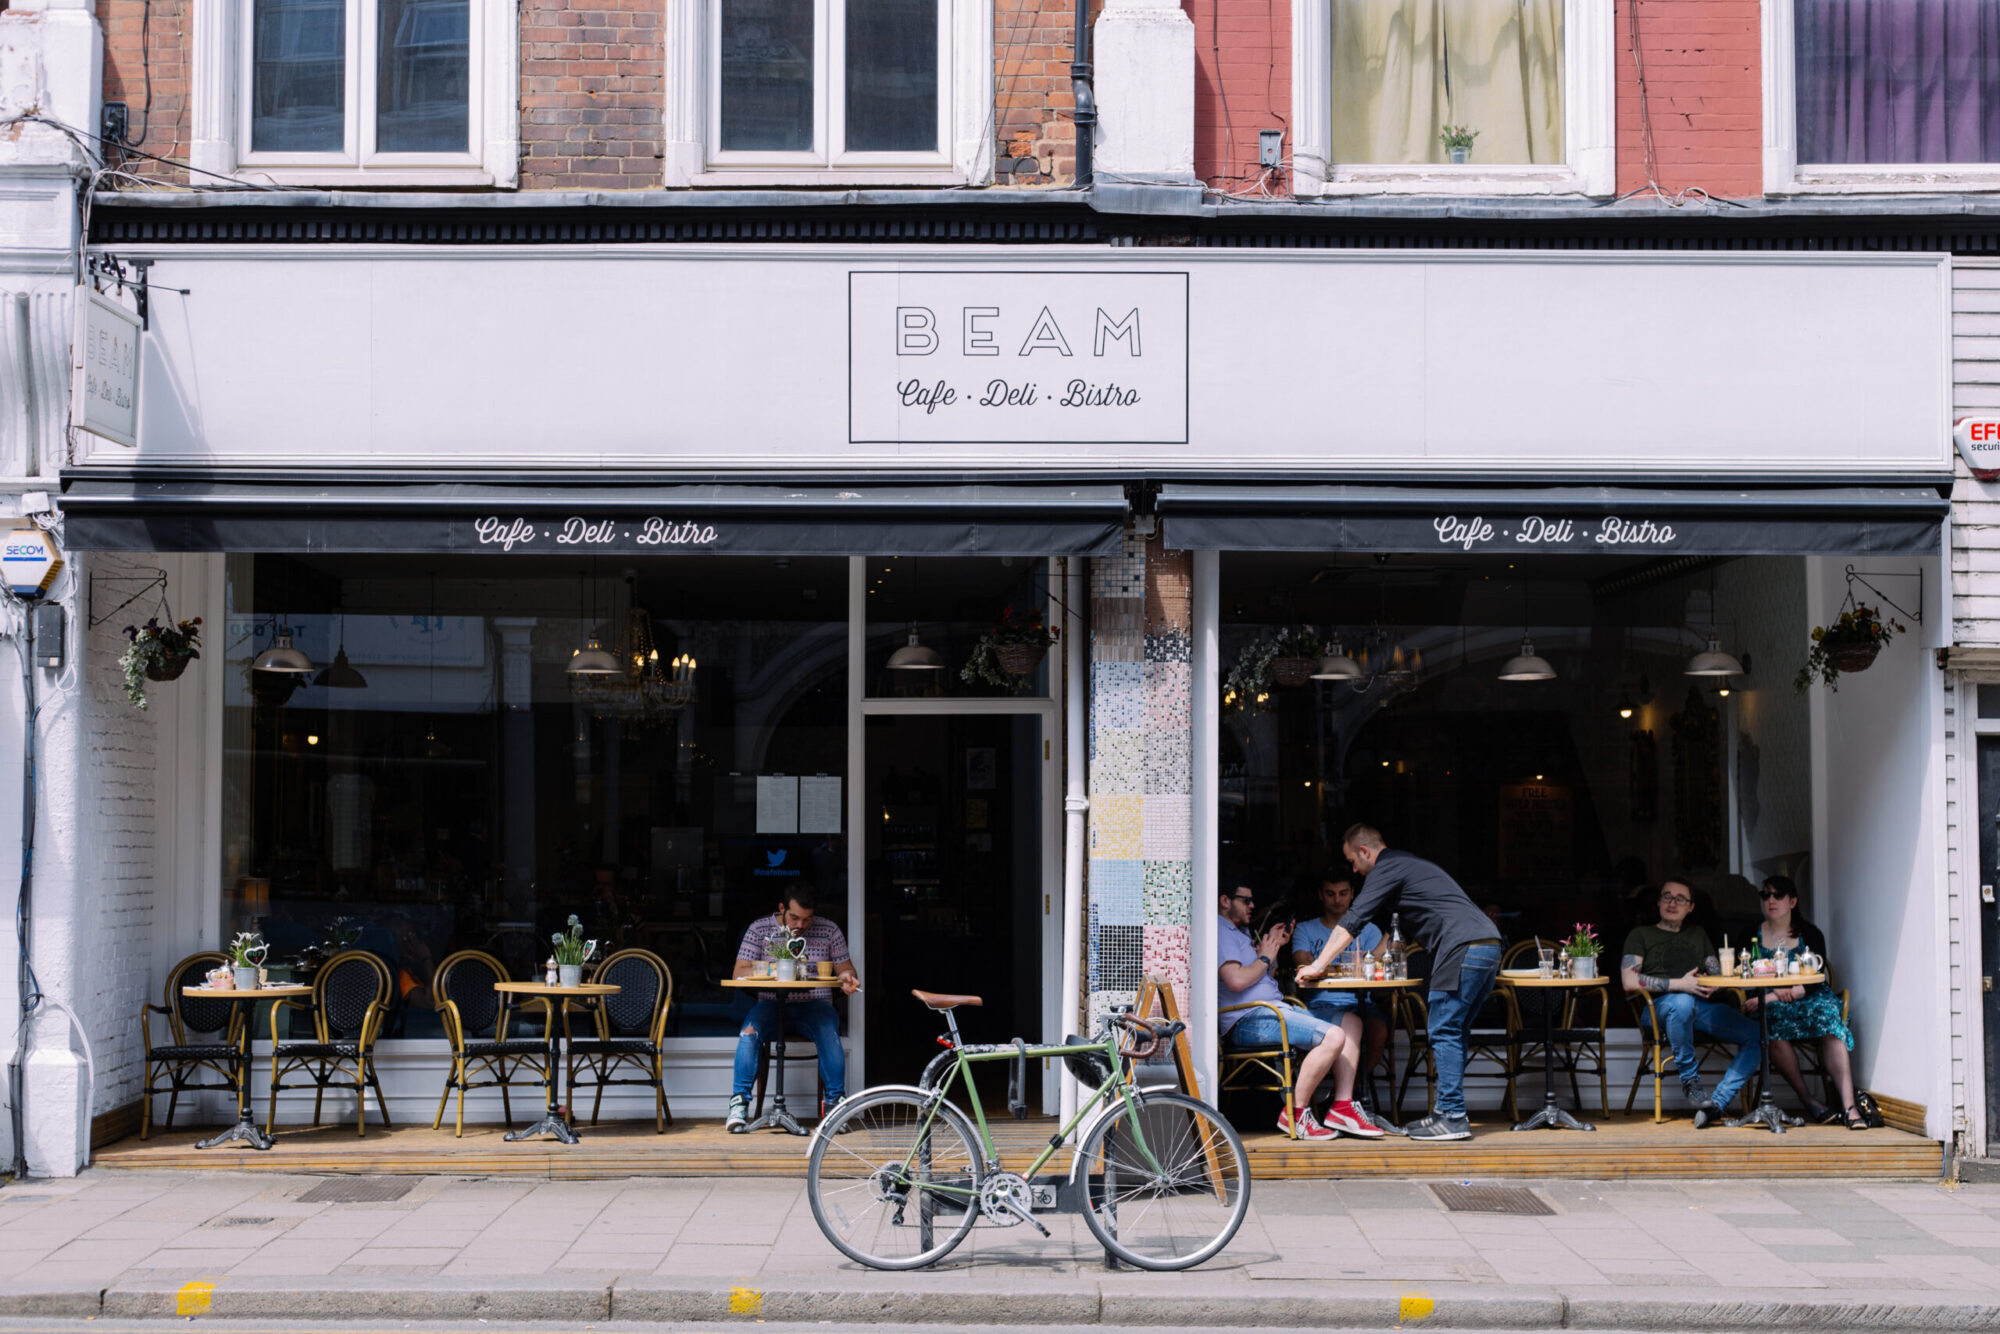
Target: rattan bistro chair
x=1492, y=1047
x=475, y=1019
x=1656, y=1055
x=631, y=1029
x=349, y=1004
x=1260, y=1069
x=183, y=1059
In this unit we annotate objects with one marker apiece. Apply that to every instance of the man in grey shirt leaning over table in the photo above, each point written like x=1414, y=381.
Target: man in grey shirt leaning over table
x=1461, y=940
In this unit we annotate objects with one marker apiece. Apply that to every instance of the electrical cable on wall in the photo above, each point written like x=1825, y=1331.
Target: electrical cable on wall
x=1676, y=198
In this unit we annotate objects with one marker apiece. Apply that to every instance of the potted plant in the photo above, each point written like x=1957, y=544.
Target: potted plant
x=572, y=952
x=1583, y=947
x=1849, y=644
x=158, y=653
x=1286, y=658
x=1008, y=652
x=788, y=951
x=1457, y=141
x=245, y=953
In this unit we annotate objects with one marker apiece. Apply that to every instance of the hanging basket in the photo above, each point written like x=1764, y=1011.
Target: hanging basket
x=1019, y=659
x=1853, y=657
x=168, y=669
x=1292, y=671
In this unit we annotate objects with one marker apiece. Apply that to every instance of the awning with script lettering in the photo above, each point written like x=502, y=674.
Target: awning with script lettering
x=1853, y=521
x=550, y=516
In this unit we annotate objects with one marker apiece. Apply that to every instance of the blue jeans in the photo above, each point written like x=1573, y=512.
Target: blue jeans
x=1259, y=1028
x=1451, y=1013
x=1333, y=1006
x=1682, y=1015
x=816, y=1021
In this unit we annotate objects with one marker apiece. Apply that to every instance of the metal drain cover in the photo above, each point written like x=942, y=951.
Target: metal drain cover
x=239, y=1220
x=358, y=1190
x=1490, y=1199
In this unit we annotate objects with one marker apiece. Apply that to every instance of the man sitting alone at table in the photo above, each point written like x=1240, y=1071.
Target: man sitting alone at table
x=1246, y=975
x=809, y=1013
x=1662, y=961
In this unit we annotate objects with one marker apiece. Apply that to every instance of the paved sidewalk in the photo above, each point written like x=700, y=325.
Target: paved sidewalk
x=1726, y=1254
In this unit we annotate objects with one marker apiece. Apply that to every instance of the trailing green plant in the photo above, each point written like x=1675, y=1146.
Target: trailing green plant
x=1249, y=681
x=982, y=666
x=570, y=946
x=157, y=652
x=1858, y=627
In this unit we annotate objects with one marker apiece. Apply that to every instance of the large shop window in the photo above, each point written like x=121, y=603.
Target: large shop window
x=1883, y=93
x=382, y=91
x=1560, y=799
x=953, y=627
x=1393, y=85
x=442, y=781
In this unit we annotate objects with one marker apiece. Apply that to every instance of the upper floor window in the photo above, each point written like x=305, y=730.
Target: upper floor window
x=1490, y=96
x=376, y=91
x=1882, y=94
x=831, y=91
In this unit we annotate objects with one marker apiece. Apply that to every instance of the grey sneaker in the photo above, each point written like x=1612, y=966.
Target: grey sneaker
x=1707, y=1115
x=738, y=1119
x=1435, y=1127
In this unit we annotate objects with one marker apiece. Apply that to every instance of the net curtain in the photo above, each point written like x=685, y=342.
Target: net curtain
x=1404, y=69
x=1894, y=81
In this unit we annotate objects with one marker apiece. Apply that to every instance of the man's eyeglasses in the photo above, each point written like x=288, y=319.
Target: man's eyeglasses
x=1675, y=898
x=1244, y=898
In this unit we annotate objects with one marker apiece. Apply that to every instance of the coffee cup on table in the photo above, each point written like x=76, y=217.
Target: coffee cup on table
x=824, y=968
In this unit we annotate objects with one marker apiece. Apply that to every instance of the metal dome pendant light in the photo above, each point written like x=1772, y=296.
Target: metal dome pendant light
x=915, y=657
x=1527, y=665
x=282, y=657
x=592, y=659
x=1337, y=666
x=434, y=749
x=1712, y=661
x=341, y=674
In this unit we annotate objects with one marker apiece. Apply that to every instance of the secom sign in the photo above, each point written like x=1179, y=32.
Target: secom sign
x=991, y=357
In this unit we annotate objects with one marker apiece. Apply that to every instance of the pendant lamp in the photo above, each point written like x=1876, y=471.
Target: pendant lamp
x=915, y=657
x=283, y=658
x=1527, y=665
x=1712, y=661
x=341, y=675
x=1337, y=666
x=592, y=659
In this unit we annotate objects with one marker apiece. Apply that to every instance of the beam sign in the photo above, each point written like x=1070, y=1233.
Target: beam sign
x=104, y=369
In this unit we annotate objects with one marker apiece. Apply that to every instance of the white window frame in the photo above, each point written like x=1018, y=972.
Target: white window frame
x=694, y=156
x=220, y=107
x=1783, y=174
x=1589, y=121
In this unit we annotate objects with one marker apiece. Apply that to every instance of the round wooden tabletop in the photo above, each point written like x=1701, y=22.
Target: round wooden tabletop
x=249, y=993
x=1761, y=983
x=1537, y=981
x=1363, y=983
x=544, y=989
x=773, y=984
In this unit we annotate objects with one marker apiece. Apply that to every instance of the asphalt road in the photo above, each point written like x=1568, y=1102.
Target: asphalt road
x=226, y=1326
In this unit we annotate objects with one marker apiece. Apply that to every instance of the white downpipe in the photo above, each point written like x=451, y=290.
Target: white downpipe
x=1076, y=801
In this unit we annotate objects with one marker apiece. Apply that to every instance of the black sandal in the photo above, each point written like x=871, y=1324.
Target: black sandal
x=1821, y=1115
x=1855, y=1120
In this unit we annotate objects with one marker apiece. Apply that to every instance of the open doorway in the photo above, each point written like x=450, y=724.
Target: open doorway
x=954, y=899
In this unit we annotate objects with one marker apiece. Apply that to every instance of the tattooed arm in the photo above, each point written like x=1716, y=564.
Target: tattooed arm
x=1628, y=969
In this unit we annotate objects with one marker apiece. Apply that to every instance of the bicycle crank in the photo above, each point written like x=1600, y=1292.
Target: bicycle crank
x=1007, y=1200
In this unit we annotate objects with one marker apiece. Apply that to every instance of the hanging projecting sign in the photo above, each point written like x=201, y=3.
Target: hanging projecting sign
x=1017, y=357
x=104, y=368
x=1978, y=441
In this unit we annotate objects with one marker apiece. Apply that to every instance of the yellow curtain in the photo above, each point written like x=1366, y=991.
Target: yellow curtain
x=1404, y=69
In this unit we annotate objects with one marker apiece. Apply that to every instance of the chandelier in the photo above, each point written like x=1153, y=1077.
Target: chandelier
x=644, y=690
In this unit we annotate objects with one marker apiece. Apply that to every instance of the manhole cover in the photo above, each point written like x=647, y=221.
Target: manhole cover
x=357, y=1190
x=1490, y=1200
x=240, y=1220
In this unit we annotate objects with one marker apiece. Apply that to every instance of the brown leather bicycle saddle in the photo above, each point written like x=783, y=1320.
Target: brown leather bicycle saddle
x=939, y=1001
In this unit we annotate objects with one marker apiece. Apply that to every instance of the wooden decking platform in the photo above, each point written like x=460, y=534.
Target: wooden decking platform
x=1622, y=1147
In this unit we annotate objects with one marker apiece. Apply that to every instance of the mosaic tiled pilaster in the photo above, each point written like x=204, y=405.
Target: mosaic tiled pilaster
x=1141, y=748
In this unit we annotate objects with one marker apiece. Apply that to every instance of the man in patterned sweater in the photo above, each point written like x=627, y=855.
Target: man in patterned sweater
x=810, y=1014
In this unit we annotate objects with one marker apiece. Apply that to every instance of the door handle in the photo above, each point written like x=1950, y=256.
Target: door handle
x=1986, y=893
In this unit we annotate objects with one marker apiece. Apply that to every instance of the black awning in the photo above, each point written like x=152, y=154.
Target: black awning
x=1573, y=520
x=551, y=516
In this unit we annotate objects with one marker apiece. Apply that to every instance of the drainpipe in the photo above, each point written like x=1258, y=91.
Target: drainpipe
x=1085, y=114
x=1076, y=801
x=17, y=1083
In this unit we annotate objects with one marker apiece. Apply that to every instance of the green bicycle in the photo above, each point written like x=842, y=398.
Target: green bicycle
x=897, y=1175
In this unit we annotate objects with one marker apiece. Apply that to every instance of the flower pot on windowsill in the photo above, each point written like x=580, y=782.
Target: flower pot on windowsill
x=1019, y=659
x=1292, y=671
x=1458, y=156
x=1854, y=657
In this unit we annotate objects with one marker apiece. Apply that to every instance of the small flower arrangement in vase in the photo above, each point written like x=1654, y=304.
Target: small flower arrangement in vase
x=1583, y=947
x=572, y=952
x=158, y=653
x=1457, y=141
x=788, y=951
x=1009, y=652
x=246, y=954
x=1848, y=645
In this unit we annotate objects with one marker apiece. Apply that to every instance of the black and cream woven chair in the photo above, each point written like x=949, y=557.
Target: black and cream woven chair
x=189, y=1052
x=476, y=1019
x=349, y=1004
x=630, y=1028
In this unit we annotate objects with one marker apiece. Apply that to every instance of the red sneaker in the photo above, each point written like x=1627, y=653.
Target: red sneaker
x=1346, y=1118
x=1308, y=1125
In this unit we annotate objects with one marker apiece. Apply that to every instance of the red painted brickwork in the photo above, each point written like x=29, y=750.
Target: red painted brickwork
x=591, y=78
x=1703, y=65
x=1032, y=44
x=126, y=65
x=1242, y=84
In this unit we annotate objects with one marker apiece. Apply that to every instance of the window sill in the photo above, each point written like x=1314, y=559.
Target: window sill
x=365, y=179
x=1968, y=179
x=1445, y=180
x=751, y=177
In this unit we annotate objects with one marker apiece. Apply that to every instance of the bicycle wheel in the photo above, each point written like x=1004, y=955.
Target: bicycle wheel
x=1171, y=1191
x=882, y=1175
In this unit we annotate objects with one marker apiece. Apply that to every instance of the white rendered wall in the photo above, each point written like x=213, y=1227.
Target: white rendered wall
x=1879, y=853
x=1143, y=54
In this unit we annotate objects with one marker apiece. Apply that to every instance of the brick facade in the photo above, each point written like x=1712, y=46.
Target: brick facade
x=591, y=80
x=148, y=42
x=1242, y=84
x=1703, y=95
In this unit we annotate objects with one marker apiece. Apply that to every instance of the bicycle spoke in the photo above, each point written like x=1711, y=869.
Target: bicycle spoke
x=1173, y=1200
x=883, y=1189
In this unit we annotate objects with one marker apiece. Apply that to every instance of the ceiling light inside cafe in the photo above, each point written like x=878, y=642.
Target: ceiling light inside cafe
x=283, y=658
x=1712, y=661
x=1337, y=666
x=1527, y=665
x=592, y=660
x=915, y=657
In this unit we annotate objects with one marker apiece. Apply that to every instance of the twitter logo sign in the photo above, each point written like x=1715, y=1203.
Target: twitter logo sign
x=774, y=863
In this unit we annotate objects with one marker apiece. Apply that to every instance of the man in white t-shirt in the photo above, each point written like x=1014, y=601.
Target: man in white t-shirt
x=1246, y=969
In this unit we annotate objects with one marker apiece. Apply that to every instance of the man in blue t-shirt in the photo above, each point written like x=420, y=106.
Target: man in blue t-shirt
x=1364, y=1021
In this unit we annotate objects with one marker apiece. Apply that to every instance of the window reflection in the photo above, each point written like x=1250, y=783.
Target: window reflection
x=424, y=78
x=298, y=77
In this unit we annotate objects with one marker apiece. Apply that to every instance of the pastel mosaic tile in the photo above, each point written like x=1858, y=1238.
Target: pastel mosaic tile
x=1117, y=892
x=1118, y=760
x=1165, y=951
x=1168, y=833
x=1167, y=889
x=1117, y=956
x=1167, y=770
x=1167, y=699
x=1116, y=823
x=1169, y=644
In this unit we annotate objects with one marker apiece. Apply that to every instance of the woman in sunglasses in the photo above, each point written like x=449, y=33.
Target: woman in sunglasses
x=1805, y=1014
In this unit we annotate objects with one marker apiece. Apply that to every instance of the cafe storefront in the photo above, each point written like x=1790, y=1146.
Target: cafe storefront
x=784, y=466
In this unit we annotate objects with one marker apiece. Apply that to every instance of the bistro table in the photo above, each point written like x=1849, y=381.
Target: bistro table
x=1390, y=985
x=1552, y=1116
x=245, y=1128
x=1766, y=1113
x=776, y=1114
x=552, y=1122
